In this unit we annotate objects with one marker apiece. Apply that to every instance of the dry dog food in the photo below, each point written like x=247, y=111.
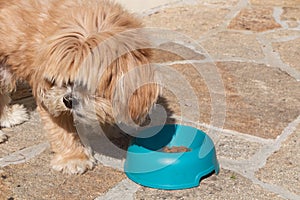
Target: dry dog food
x=175, y=149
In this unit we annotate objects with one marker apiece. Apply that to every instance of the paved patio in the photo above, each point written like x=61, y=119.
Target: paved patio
x=239, y=60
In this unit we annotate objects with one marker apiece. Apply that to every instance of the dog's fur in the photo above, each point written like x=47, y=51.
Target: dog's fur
x=74, y=51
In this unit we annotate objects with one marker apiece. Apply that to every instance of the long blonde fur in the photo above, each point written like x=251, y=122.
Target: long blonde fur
x=83, y=47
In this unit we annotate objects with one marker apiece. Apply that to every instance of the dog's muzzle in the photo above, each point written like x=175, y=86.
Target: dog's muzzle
x=70, y=101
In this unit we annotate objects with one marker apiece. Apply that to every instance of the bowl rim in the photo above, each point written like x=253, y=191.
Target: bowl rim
x=203, y=139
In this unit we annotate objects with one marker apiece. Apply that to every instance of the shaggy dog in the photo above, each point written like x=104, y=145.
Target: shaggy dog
x=75, y=55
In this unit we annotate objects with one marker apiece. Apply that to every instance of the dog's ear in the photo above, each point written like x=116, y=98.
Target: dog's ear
x=135, y=88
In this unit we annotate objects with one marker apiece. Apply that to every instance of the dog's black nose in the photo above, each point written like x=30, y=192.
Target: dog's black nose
x=70, y=102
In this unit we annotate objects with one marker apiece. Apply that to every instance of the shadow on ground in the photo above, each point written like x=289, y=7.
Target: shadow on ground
x=108, y=140
x=113, y=141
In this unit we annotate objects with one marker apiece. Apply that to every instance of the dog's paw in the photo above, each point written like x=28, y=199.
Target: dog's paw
x=72, y=165
x=13, y=115
x=3, y=137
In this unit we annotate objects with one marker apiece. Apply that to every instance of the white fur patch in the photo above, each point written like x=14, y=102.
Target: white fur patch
x=13, y=115
x=73, y=166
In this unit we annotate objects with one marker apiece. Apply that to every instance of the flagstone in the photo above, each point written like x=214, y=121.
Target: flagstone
x=233, y=45
x=255, y=19
x=226, y=185
x=261, y=101
x=36, y=180
x=289, y=52
x=283, y=167
x=193, y=21
x=293, y=3
x=24, y=135
x=292, y=16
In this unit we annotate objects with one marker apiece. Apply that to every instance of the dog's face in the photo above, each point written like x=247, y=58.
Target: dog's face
x=85, y=105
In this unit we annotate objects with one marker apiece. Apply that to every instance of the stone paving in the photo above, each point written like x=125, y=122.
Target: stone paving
x=251, y=50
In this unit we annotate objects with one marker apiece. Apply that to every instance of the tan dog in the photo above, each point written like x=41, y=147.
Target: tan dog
x=74, y=54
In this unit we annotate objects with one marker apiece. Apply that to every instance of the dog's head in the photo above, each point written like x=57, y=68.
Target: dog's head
x=83, y=67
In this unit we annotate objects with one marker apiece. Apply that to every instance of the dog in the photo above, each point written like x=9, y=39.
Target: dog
x=75, y=55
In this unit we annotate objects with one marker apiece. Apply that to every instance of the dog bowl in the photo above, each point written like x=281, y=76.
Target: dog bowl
x=149, y=165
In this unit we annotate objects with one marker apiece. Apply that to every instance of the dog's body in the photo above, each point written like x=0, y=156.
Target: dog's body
x=74, y=54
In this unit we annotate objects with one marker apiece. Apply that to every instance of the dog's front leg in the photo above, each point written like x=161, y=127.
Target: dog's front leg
x=10, y=115
x=70, y=155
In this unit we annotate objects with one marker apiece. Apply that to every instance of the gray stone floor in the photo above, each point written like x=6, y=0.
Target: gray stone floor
x=231, y=67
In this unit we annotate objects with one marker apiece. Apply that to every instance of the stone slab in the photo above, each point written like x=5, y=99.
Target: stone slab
x=257, y=19
x=235, y=148
x=27, y=134
x=193, y=21
x=283, y=167
x=139, y=6
x=292, y=16
x=227, y=185
x=289, y=52
x=261, y=100
x=293, y=3
x=291, y=13
x=233, y=45
x=285, y=34
x=185, y=93
x=35, y=180
x=219, y=3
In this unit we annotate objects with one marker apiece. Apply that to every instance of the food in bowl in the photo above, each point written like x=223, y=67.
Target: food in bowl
x=175, y=149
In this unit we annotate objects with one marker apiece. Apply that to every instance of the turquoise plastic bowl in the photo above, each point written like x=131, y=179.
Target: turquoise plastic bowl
x=147, y=165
